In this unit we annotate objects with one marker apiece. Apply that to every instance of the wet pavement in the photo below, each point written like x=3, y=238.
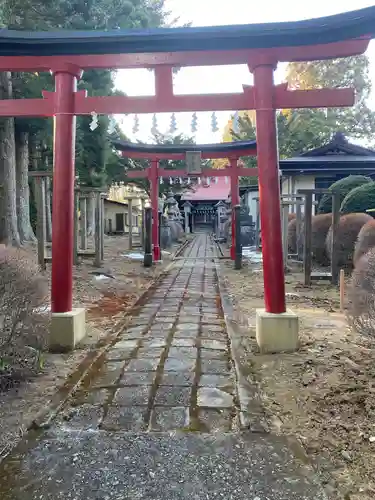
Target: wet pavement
x=161, y=417
x=171, y=367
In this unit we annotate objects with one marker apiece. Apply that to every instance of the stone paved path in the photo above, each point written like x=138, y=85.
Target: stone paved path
x=171, y=368
x=160, y=419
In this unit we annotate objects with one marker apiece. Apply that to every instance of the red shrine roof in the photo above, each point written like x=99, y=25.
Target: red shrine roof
x=214, y=191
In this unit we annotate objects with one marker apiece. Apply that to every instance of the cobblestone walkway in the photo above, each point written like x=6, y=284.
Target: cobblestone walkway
x=171, y=368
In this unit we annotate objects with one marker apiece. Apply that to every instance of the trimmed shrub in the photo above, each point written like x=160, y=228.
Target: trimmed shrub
x=361, y=293
x=344, y=186
x=359, y=199
x=320, y=225
x=365, y=241
x=292, y=236
x=347, y=234
x=23, y=331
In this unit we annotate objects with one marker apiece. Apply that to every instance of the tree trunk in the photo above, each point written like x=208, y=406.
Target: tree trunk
x=23, y=193
x=91, y=216
x=8, y=209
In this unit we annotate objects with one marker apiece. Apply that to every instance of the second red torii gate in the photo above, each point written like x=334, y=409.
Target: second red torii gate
x=156, y=152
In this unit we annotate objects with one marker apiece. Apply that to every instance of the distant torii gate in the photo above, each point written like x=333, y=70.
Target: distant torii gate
x=260, y=46
x=193, y=154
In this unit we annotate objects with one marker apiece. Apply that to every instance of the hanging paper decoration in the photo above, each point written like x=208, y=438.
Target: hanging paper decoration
x=180, y=179
x=208, y=181
x=173, y=126
x=111, y=125
x=154, y=129
x=226, y=180
x=214, y=126
x=235, y=122
x=94, y=121
x=199, y=180
x=188, y=180
x=194, y=123
x=170, y=181
x=136, y=124
x=161, y=180
x=216, y=180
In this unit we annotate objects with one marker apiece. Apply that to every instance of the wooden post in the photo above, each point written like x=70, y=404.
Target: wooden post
x=335, y=226
x=98, y=230
x=142, y=222
x=102, y=227
x=299, y=228
x=83, y=209
x=154, y=185
x=76, y=227
x=235, y=200
x=130, y=217
x=307, y=239
x=147, y=261
x=48, y=210
x=41, y=223
x=257, y=225
x=237, y=240
x=63, y=188
x=285, y=221
x=342, y=290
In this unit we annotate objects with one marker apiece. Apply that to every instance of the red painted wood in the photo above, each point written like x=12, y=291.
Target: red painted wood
x=182, y=156
x=178, y=59
x=154, y=187
x=162, y=104
x=263, y=97
x=318, y=98
x=209, y=172
x=63, y=194
x=269, y=191
x=26, y=107
x=166, y=102
x=235, y=200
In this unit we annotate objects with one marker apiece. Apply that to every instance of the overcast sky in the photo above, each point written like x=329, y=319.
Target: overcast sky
x=222, y=78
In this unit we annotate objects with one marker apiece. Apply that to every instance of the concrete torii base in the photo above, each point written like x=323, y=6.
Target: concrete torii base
x=67, y=330
x=276, y=332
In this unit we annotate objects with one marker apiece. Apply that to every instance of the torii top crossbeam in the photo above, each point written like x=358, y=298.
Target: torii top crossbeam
x=170, y=41
x=260, y=46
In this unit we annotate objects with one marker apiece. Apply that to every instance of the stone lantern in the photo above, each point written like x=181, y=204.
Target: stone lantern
x=171, y=205
x=187, y=206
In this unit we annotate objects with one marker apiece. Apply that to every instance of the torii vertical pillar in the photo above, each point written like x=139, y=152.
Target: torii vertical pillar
x=154, y=188
x=276, y=329
x=67, y=326
x=235, y=200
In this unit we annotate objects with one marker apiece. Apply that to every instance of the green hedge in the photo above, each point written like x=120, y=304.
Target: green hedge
x=344, y=186
x=359, y=199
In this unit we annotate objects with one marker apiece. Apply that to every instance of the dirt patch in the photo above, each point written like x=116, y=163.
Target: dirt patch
x=324, y=394
x=107, y=294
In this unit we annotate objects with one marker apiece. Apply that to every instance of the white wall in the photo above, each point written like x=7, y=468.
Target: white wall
x=291, y=184
x=110, y=211
x=251, y=203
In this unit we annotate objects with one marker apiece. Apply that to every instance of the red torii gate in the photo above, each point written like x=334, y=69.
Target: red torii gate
x=261, y=47
x=156, y=152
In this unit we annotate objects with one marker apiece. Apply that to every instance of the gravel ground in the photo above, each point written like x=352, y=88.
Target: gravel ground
x=106, y=301
x=324, y=394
